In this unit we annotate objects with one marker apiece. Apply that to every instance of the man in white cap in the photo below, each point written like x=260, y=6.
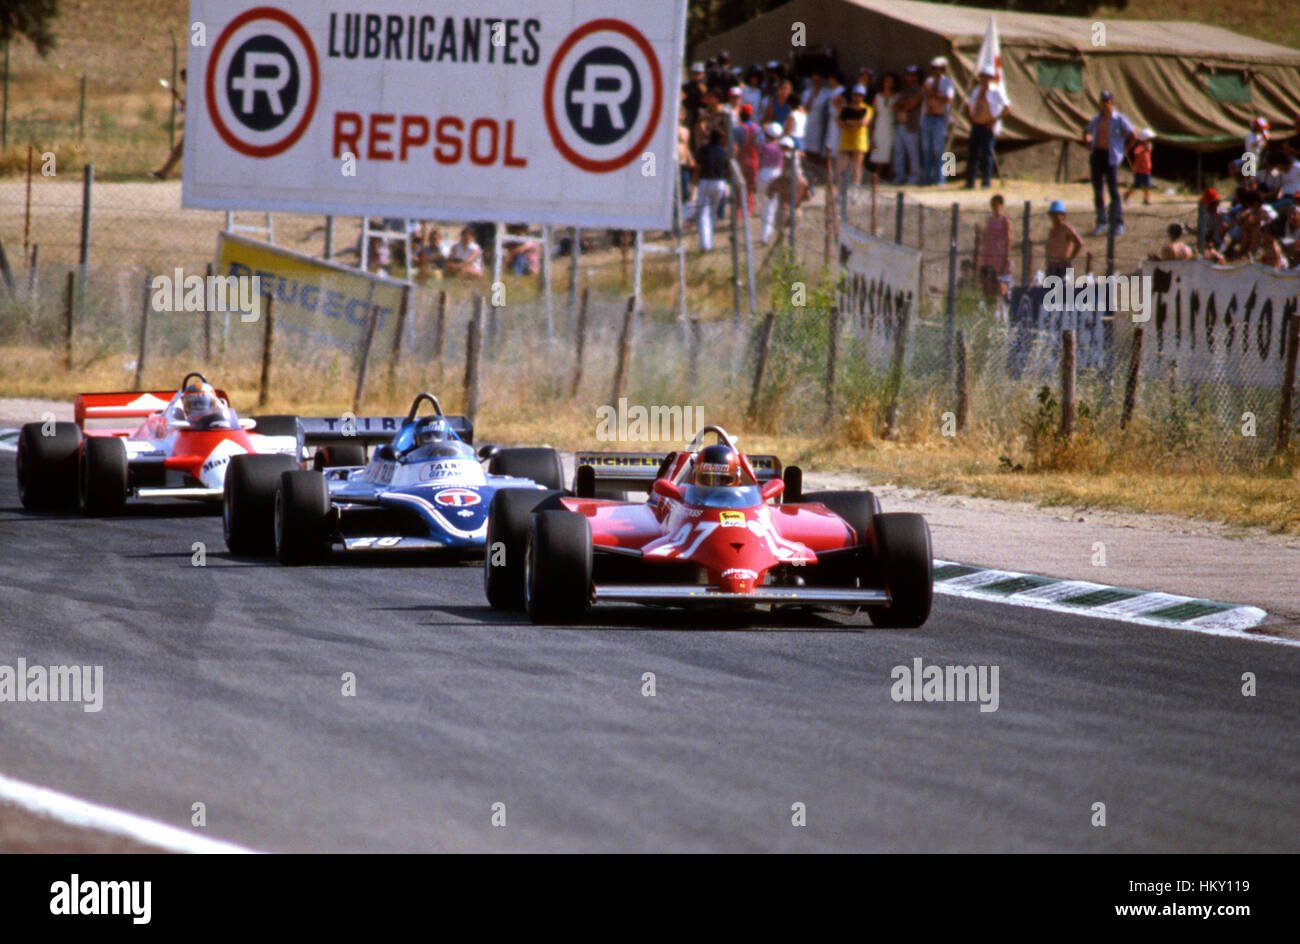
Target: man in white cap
x=986, y=109
x=936, y=110
x=770, y=162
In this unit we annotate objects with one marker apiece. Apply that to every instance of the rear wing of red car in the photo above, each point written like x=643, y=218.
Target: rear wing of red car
x=368, y=430
x=123, y=404
x=636, y=471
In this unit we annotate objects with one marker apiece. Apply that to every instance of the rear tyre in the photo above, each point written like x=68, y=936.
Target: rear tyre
x=539, y=463
x=248, y=505
x=332, y=457
x=47, y=466
x=276, y=424
x=103, y=474
x=302, y=508
x=557, y=579
x=858, y=508
x=510, y=518
x=905, y=560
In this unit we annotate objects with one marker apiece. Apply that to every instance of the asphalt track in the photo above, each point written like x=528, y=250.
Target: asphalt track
x=222, y=686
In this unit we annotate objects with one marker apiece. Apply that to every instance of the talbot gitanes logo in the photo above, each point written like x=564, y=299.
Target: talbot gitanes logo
x=457, y=497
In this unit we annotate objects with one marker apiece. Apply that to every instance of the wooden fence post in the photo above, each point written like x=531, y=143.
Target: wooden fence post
x=1287, y=405
x=624, y=351
x=963, y=390
x=760, y=369
x=440, y=329
x=473, y=353
x=832, y=355
x=896, y=375
x=69, y=306
x=580, y=341
x=144, y=332
x=1067, y=384
x=268, y=334
x=1131, y=386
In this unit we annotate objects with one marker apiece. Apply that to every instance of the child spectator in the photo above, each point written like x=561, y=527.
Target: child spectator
x=1063, y=242
x=1174, y=249
x=1257, y=137
x=1140, y=152
x=995, y=257
x=466, y=257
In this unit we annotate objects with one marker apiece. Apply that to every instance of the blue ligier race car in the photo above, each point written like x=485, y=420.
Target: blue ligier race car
x=424, y=488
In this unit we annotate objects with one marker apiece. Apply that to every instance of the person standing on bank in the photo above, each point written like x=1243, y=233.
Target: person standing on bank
x=986, y=109
x=1108, y=136
x=936, y=111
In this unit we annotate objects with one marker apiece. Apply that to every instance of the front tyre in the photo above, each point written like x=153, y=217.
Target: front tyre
x=557, y=578
x=248, y=503
x=103, y=476
x=302, y=508
x=905, y=560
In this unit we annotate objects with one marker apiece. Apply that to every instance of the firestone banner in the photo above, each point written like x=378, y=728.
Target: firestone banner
x=881, y=290
x=1221, y=323
x=542, y=112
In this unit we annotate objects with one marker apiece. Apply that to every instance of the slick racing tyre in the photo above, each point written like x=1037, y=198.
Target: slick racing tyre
x=102, y=479
x=248, y=505
x=539, y=463
x=48, y=466
x=302, y=508
x=332, y=457
x=905, y=560
x=557, y=577
x=510, y=518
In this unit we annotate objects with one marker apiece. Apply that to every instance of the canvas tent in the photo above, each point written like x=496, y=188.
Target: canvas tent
x=1198, y=86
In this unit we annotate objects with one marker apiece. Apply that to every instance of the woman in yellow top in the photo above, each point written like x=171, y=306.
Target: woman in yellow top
x=854, y=119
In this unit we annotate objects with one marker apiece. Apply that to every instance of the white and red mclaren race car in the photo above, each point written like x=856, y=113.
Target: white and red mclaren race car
x=182, y=448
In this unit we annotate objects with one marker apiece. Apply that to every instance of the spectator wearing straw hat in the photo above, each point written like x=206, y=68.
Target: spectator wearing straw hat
x=986, y=109
x=770, y=161
x=936, y=111
x=1107, y=136
x=1140, y=155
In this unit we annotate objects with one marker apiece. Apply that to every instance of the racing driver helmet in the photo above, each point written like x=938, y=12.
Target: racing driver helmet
x=199, y=400
x=432, y=430
x=716, y=465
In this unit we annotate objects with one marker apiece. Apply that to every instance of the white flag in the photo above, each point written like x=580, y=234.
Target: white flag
x=991, y=58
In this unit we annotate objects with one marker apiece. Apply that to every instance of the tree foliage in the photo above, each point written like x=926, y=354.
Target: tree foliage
x=31, y=18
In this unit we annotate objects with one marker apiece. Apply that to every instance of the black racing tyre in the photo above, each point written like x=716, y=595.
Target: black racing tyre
x=510, y=518
x=302, y=508
x=47, y=466
x=276, y=424
x=331, y=457
x=793, y=478
x=557, y=578
x=102, y=478
x=248, y=505
x=858, y=508
x=905, y=559
x=539, y=463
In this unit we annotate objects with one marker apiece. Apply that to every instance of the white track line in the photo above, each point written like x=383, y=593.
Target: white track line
x=85, y=815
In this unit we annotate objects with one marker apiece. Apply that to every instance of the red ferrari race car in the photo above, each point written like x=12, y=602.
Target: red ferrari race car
x=716, y=530
x=181, y=450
